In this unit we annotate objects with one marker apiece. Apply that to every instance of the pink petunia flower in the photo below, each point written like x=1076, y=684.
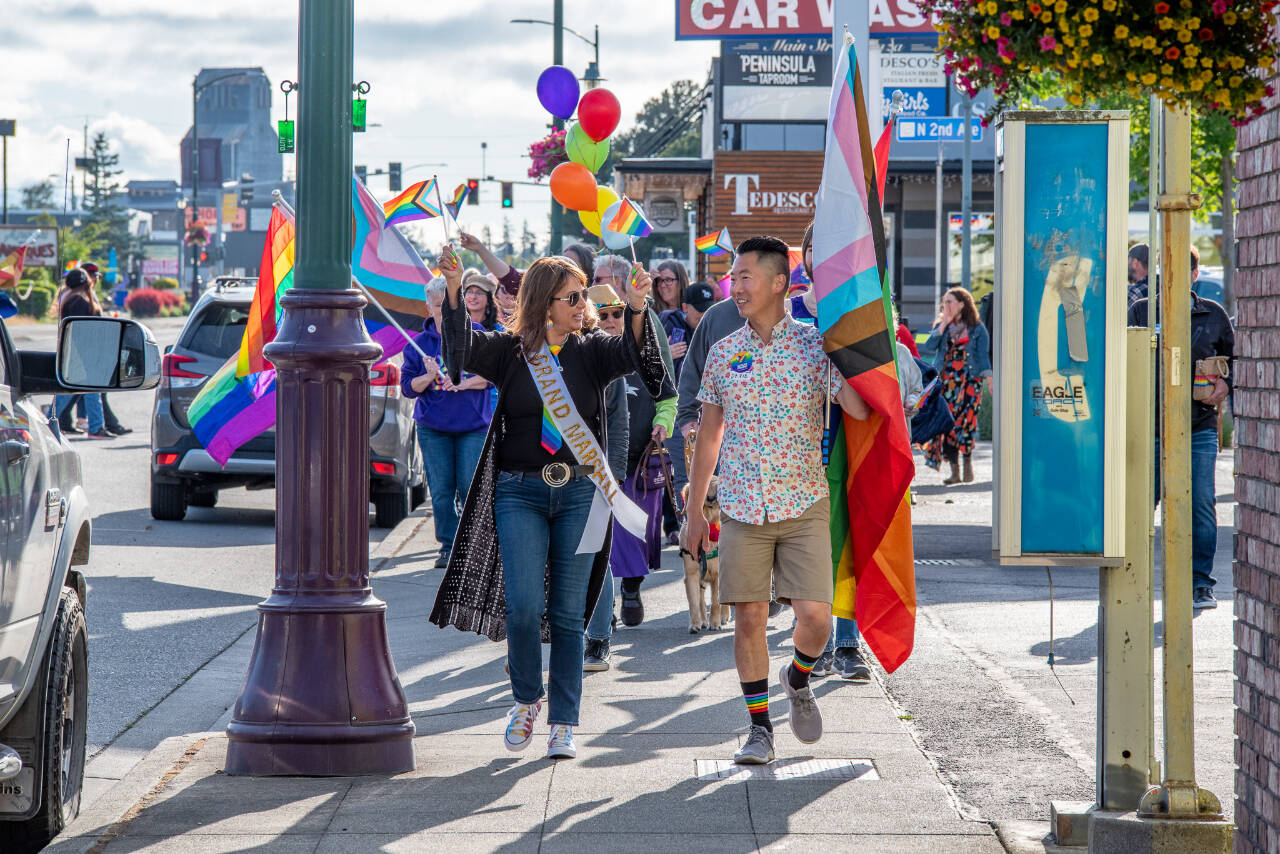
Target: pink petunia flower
x=1048, y=43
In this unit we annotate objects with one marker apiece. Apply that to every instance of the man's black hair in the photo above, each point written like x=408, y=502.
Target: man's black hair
x=1142, y=253
x=770, y=250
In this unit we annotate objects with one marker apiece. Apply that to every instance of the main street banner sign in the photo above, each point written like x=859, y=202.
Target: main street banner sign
x=732, y=19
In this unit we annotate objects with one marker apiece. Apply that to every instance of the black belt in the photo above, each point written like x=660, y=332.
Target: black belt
x=558, y=474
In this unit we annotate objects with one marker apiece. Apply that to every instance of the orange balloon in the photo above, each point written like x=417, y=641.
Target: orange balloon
x=573, y=186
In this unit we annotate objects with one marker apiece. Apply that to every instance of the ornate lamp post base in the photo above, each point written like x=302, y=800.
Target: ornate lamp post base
x=321, y=696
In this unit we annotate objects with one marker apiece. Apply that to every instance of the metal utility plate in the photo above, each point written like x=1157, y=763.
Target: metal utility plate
x=786, y=769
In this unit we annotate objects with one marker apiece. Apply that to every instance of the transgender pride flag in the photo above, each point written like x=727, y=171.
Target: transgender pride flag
x=870, y=466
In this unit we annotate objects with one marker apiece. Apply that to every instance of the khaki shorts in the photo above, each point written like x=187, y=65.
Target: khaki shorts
x=783, y=560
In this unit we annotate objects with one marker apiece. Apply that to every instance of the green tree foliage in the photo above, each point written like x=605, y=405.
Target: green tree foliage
x=88, y=242
x=39, y=196
x=102, y=194
x=668, y=125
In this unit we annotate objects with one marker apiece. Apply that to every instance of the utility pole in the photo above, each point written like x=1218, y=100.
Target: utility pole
x=966, y=198
x=557, y=52
x=940, y=231
x=6, y=130
x=322, y=697
x=195, y=186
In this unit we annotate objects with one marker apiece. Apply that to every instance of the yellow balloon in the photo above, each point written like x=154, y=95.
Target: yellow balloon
x=605, y=196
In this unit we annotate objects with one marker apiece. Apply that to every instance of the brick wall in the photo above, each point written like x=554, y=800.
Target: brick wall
x=1256, y=403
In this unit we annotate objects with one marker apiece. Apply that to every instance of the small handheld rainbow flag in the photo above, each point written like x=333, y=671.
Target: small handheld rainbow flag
x=413, y=203
x=459, y=195
x=715, y=243
x=69, y=266
x=630, y=220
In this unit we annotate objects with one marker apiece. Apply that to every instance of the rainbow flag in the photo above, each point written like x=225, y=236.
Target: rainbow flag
x=413, y=203
x=230, y=410
x=383, y=260
x=69, y=266
x=630, y=220
x=459, y=195
x=275, y=276
x=11, y=267
x=715, y=243
x=870, y=464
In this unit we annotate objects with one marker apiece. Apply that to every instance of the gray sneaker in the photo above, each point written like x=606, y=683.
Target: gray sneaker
x=759, y=747
x=806, y=720
x=595, y=655
x=824, y=666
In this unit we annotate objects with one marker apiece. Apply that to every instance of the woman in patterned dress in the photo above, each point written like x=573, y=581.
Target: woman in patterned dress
x=960, y=349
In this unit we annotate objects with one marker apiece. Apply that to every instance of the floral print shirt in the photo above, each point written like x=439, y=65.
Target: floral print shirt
x=774, y=397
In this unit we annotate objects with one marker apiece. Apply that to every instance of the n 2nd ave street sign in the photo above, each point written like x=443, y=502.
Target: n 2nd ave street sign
x=928, y=129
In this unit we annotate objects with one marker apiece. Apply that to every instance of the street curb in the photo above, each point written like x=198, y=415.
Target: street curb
x=90, y=832
x=204, y=703
x=1028, y=837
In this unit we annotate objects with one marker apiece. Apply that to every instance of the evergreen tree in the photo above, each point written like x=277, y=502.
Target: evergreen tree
x=101, y=195
x=39, y=197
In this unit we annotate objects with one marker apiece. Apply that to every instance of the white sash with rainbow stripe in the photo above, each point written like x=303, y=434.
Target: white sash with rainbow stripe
x=609, y=497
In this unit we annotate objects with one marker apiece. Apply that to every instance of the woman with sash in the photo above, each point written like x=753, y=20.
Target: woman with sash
x=533, y=545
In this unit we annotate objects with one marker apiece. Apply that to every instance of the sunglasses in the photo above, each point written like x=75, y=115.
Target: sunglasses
x=573, y=299
x=611, y=313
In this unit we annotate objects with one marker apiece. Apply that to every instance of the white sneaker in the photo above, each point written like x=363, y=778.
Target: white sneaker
x=560, y=743
x=520, y=725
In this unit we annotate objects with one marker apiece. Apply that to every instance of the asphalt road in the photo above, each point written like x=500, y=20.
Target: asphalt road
x=164, y=597
x=1007, y=732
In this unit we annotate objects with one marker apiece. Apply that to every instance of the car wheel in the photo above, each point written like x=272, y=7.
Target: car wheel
x=417, y=495
x=64, y=729
x=168, y=501
x=203, y=499
x=390, y=507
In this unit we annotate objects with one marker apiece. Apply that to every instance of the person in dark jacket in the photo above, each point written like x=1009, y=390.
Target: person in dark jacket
x=452, y=421
x=80, y=301
x=531, y=517
x=1211, y=335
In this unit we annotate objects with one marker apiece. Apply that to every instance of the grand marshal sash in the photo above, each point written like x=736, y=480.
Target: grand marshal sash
x=609, y=497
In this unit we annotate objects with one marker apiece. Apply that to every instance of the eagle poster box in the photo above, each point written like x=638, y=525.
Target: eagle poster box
x=1062, y=203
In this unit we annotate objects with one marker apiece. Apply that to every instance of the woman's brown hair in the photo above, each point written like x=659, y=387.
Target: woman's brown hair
x=968, y=311
x=676, y=269
x=542, y=281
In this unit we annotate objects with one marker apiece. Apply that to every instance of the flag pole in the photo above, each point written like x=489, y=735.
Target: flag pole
x=444, y=212
x=405, y=335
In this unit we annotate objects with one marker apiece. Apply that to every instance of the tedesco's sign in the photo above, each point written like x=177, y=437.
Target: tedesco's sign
x=721, y=19
x=748, y=200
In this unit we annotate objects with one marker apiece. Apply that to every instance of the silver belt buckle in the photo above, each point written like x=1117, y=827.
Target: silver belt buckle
x=556, y=474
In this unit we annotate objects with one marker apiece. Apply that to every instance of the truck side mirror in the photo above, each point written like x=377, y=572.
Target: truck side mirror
x=107, y=354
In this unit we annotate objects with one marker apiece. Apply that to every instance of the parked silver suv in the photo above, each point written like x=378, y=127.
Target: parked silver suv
x=44, y=675
x=184, y=475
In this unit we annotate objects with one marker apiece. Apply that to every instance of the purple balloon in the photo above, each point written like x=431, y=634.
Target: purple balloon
x=558, y=91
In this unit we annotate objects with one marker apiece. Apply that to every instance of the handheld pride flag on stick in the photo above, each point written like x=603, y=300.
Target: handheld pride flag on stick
x=630, y=220
x=413, y=203
x=715, y=243
x=871, y=467
x=11, y=267
x=459, y=196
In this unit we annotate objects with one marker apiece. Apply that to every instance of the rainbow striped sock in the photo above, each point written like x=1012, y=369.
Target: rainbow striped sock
x=801, y=665
x=757, y=696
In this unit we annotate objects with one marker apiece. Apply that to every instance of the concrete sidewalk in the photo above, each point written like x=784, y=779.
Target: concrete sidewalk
x=652, y=770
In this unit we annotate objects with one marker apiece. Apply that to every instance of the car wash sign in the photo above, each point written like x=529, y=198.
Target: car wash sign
x=733, y=19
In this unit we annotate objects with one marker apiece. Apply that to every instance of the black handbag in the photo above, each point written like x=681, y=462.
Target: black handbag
x=933, y=416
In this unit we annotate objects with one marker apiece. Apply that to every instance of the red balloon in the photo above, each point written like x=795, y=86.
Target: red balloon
x=598, y=113
x=573, y=186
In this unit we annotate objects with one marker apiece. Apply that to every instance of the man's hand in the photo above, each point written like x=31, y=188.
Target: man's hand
x=1220, y=392
x=659, y=433
x=471, y=384
x=687, y=428
x=678, y=349
x=697, y=534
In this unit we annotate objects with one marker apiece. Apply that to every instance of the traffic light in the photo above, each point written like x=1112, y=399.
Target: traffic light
x=507, y=188
x=362, y=172
x=246, y=189
x=473, y=191
x=393, y=177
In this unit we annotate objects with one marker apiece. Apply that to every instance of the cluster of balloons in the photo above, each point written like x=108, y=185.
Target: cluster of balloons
x=573, y=184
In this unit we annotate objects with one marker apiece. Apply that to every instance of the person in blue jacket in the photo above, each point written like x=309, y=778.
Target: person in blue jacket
x=452, y=422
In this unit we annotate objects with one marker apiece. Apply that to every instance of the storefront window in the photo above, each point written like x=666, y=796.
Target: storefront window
x=774, y=136
x=982, y=252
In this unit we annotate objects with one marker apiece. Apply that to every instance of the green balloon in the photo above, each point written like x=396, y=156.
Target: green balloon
x=584, y=150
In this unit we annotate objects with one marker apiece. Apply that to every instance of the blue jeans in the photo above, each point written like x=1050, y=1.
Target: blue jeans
x=845, y=635
x=92, y=405
x=1204, y=499
x=450, y=460
x=600, y=626
x=539, y=528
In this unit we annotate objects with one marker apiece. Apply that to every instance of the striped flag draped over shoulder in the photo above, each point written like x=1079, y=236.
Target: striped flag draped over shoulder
x=871, y=465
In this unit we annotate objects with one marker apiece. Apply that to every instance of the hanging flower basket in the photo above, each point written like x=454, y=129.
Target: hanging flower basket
x=1199, y=54
x=546, y=154
x=197, y=234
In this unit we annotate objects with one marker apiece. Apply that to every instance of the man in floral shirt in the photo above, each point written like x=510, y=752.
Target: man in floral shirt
x=764, y=392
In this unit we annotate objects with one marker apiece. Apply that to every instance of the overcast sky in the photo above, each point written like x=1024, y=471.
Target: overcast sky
x=444, y=75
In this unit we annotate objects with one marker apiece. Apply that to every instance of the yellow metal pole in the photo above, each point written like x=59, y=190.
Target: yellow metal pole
x=1178, y=796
